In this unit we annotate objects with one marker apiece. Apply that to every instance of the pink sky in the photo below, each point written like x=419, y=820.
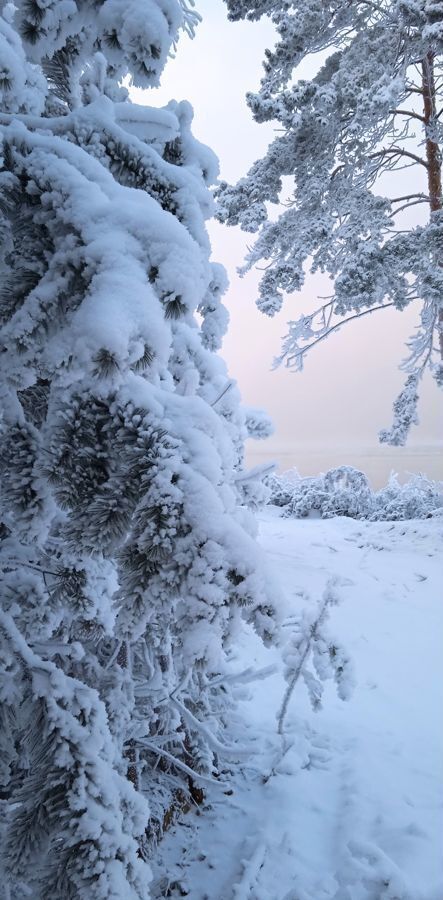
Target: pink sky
x=332, y=412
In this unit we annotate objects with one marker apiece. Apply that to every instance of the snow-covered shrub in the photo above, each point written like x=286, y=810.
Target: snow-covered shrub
x=307, y=498
x=127, y=556
x=281, y=487
x=416, y=499
x=346, y=491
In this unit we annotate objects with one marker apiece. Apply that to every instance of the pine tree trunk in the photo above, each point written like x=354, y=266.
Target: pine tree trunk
x=433, y=157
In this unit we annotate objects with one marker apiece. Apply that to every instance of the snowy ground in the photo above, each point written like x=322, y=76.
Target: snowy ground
x=354, y=810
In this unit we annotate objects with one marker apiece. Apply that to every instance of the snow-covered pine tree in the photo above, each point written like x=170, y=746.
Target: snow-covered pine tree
x=127, y=558
x=373, y=108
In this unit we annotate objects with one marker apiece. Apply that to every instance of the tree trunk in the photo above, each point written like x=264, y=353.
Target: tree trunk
x=433, y=157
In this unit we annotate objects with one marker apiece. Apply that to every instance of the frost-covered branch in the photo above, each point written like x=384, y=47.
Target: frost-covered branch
x=293, y=355
x=340, y=133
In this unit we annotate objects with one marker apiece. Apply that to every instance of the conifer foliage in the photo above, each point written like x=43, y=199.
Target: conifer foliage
x=373, y=108
x=127, y=553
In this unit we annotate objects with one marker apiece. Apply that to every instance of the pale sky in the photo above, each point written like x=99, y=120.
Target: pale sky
x=332, y=412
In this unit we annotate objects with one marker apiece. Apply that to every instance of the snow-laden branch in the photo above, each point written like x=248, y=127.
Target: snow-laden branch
x=212, y=742
x=179, y=764
x=244, y=677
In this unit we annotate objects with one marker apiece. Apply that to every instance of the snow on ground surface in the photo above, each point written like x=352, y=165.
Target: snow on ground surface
x=354, y=809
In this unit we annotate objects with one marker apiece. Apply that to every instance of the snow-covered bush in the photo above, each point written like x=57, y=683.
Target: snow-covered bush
x=341, y=492
x=416, y=499
x=346, y=491
x=127, y=554
x=281, y=488
x=307, y=499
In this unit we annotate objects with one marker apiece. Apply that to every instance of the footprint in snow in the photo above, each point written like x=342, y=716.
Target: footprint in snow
x=317, y=759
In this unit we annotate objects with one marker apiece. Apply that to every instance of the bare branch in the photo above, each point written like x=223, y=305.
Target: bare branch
x=406, y=112
x=409, y=197
x=301, y=352
x=398, y=151
x=407, y=205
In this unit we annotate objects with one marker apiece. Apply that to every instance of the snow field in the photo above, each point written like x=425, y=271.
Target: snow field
x=353, y=810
